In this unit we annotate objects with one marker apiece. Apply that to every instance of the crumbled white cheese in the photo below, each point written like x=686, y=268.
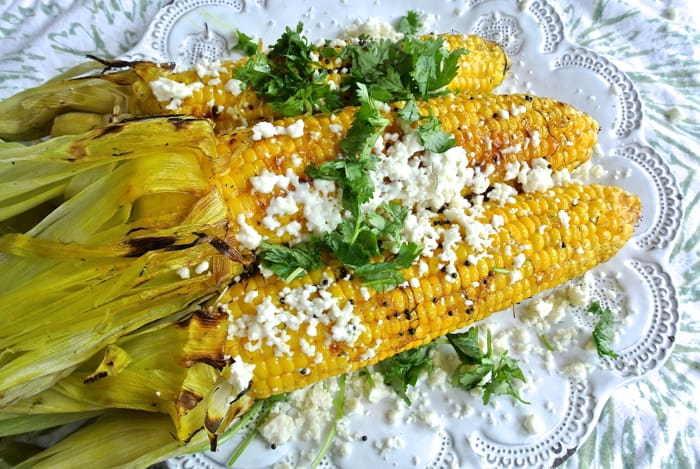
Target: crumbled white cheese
x=564, y=218
x=278, y=429
x=515, y=276
x=263, y=130
x=296, y=129
x=201, y=268
x=303, y=309
x=207, y=68
x=538, y=178
x=234, y=86
x=502, y=193
x=577, y=370
x=387, y=445
x=250, y=296
x=173, y=92
x=240, y=374
x=534, y=424
x=512, y=170
x=563, y=338
x=247, y=235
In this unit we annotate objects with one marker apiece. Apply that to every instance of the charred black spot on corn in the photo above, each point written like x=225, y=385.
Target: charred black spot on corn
x=109, y=130
x=95, y=377
x=187, y=400
x=230, y=252
x=139, y=246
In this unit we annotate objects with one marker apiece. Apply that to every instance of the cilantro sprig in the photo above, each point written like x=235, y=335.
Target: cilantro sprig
x=292, y=82
x=403, y=369
x=287, y=77
x=245, y=44
x=411, y=67
x=603, y=331
x=363, y=236
x=480, y=369
x=410, y=24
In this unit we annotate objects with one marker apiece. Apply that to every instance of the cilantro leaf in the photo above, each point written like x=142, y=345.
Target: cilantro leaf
x=603, y=330
x=410, y=24
x=410, y=112
x=245, y=44
x=388, y=225
x=383, y=276
x=290, y=262
x=433, y=137
x=502, y=376
x=470, y=376
x=403, y=369
x=466, y=344
x=367, y=126
x=479, y=369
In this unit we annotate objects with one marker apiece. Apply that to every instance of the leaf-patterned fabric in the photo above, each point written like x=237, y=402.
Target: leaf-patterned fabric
x=650, y=423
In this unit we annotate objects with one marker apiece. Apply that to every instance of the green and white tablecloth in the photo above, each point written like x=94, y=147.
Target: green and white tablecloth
x=650, y=423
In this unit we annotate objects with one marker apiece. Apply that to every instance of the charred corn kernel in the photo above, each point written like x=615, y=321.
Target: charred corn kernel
x=497, y=133
x=148, y=89
x=322, y=325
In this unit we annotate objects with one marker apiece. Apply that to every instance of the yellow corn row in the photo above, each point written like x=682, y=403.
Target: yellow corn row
x=480, y=71
x=71, y=106
x=495, y=130
x=602, y=220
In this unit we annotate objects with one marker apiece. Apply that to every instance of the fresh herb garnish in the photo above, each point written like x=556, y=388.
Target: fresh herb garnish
x=410, y=24
x=290, y=262
x=546, y=343
x=410, y=112
x=361, y=237
x=403, y=369
x=385, y=275
x=378, y=70
x=433, y=137
x=603, y=330
x=289, y=80
x=500, y=270
x=479, y=369
x=411, y=67
x=245, y=44
x=431, y=134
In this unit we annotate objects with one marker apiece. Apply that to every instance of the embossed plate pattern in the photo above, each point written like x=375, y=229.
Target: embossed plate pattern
x=635, y=282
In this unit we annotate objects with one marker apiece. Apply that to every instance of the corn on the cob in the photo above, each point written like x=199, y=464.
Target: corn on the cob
x=602, y=220
x=79, y=104
x=500, y=134
x=326, y=324
x=125, y=213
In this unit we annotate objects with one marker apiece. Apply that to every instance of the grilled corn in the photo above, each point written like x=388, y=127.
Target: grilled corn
x=73, y=103
x=326, y=323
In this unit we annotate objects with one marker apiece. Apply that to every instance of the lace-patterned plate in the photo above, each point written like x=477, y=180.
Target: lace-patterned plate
x=452, y=428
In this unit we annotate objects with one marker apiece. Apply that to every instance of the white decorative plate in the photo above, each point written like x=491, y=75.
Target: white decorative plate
x=433, y=433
